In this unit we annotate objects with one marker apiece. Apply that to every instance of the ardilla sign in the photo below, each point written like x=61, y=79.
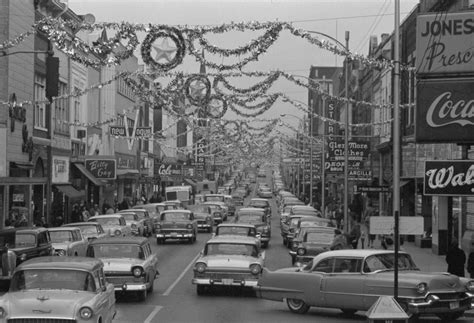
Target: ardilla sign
x=445, y=43
x=445, y=111
x=449, y=177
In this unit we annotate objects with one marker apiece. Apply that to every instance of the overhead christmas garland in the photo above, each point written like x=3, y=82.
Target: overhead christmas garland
x=192, y=91
x=162, y=31
x=219, y=111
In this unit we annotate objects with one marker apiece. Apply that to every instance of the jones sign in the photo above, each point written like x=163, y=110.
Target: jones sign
x=449, y=177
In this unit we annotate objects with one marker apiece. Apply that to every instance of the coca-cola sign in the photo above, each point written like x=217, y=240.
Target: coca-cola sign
x=449, y=177
x=445, y=111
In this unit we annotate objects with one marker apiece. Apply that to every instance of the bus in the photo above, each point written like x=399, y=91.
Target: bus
x=182, y=193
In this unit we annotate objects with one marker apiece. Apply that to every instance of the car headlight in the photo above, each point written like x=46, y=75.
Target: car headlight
x=3, y=313
x=85, y=313
x=255, y=269
x=137, y=271
x=200, y=267
x=217, y=214
x=421, y=288
x=189, y=226
x=301, y=251
x=470, y=285
x=117, y=232
x=61, y=252
x=23, y=257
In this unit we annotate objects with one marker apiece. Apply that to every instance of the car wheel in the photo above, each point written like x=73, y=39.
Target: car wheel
x=200, y=289
x=142, y=295
x=348, y=311
x=297, y=306
x=448, y=317
x=265, y=244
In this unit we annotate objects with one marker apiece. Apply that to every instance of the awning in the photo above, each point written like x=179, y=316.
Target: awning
x=128, y=173
x=22, y=165
x=70, y=191
x=190, y=182
x=89, y=175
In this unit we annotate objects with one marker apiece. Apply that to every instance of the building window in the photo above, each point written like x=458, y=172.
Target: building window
x=39, y=98
x=124, y=89
x=77, y=106
x=61, y=111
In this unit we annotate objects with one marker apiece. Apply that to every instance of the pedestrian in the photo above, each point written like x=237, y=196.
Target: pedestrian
x=354, y=235
x=85, y=214
x=456, y=259
x=363, y=237
x=470, y=264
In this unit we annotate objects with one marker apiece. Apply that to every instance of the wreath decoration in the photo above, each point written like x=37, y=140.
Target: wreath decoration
x=187, y=88
x=213, y=113
x=233, y=130
x=163, y=32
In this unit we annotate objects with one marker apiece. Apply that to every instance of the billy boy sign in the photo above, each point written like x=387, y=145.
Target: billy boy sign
x=449, y=177
x=445, y=43
x=445, y=111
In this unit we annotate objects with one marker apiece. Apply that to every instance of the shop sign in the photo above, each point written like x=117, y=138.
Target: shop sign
x=170, y=170
x=358, y=150
x=126, y=162
x=102, y=168
x=140, y=132
x=60, y=169
x=449, y=177
x=445, y=111
x=445, y=43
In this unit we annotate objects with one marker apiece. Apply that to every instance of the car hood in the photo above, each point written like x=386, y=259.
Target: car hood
x=47, y=303
x=234, y=261
x=119, y=264
x=61, y=245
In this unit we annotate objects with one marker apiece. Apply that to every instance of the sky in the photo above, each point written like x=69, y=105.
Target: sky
x=289, y=53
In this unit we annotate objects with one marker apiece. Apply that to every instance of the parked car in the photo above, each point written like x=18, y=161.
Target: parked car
x=312, y=240
x=288, y=228
x=59, y=289
x=144, y=218
x=130, y=264
x=176, y=224
x=113, y=224
x=68, y=241
x=133, y=221
x=203, y=216
x=352, y=280
x=257, y=217
x=233, y=261
x=90, y=230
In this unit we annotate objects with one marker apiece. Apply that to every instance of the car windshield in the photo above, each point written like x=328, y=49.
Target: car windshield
x=250, y=218
x=260, y=204
x=320, y=237
x=386, y=261
x=76, y=280
x=201, y=209
x=61, y=236
x=214, y=198
x=175, y=217
x=106, y=221
x=25, y=240
x=128, y=216
x=240, y=231
x=115, y=251
x=213, y=249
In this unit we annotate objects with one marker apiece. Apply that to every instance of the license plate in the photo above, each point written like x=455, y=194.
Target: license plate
x=227, y=281
x=174, y=234
x=453, y=305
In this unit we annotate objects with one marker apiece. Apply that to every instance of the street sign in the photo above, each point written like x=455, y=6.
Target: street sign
x=409, y=225
x=373, y=189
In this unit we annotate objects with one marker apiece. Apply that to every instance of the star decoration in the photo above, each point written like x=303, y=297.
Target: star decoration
x=164, y=50
x=198, y=90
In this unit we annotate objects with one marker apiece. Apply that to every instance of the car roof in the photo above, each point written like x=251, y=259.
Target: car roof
x=48, y=262
x=242, y=225
x=251, y=209
x=258, y=199
x=30, y=229
x=176, y=211
x=232, y=239
x=68, y=228
x=120, y=240
x=360, y=253
x=80, y=224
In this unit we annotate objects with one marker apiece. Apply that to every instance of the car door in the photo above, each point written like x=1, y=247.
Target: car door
x=105, y=296
x=343, y=287
x=81, y=243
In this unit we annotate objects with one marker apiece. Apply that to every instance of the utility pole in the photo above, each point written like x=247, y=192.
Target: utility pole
x=346, y=141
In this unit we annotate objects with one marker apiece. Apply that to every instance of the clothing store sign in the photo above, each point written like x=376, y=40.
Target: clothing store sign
x=60, y=169
x=445, y=111
x=445, y=43
x=102, y=168
x=449, y=177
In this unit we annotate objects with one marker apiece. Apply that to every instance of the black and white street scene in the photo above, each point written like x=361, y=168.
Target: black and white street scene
x=236, y=161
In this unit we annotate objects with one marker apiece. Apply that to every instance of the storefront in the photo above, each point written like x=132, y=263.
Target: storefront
x=127, y=182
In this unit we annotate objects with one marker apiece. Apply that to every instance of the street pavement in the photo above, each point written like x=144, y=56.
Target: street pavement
x=425, y=259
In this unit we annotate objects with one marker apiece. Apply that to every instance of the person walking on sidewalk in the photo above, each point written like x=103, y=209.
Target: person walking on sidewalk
x=354, y=235
x=456, y=259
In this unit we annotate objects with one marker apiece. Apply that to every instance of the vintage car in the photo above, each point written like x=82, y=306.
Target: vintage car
x=240, y=229
x=175, y=203
x=59, y=289
x=229, y=202
x=20, y=244
x=257, y=217
x=90, y=230
x=217, y=210
x=68, y=241
x=352, y=280
x=218, y=199
x=305, y=221
x=265, y=192
x=155, y=209
x=312, y=240
x=133, y=221
x=144, y=218
x=304, y=210
x=130, y=264
x=288, y=228
x=203, y=216
x=176, y=224
x=228, y=261
x=113, y=224
x=261, y=204
x=238, y=198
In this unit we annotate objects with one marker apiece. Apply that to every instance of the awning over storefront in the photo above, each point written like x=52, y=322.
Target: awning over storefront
x=89, y=175
x=69, y=191
x=190, y=182
x=22, y=165
x=128, y=173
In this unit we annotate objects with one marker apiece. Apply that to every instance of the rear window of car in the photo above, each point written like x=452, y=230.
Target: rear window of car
x=231, y=249
x=175, y=216
x=241, y=231
x=259, y=203
x=115, y=251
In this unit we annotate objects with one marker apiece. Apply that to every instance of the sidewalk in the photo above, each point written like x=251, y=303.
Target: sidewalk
x=425, y=260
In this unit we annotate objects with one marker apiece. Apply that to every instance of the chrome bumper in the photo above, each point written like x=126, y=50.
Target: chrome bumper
x=224, y=282
x=174, y=235
x=126, y=287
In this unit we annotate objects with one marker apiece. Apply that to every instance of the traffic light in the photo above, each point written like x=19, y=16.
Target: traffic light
x=52, y=76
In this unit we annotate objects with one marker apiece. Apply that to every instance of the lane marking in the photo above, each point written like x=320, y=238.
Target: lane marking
x=168, y=291
x=152, y=314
